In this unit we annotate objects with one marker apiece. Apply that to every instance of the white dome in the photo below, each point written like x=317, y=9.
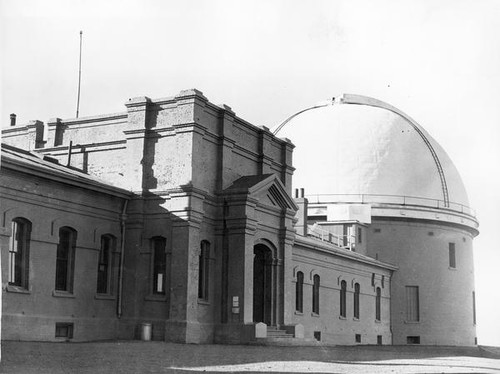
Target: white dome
x=366, y=147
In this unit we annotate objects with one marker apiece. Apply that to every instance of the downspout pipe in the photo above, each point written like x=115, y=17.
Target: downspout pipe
x=123, y=218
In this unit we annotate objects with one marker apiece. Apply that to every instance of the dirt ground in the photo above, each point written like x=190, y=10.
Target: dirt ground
x=160, y=357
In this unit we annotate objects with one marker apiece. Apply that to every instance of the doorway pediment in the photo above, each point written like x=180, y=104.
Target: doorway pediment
x=266, y=188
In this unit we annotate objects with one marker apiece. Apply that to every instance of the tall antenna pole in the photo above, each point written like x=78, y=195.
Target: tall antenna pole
x=79, y=76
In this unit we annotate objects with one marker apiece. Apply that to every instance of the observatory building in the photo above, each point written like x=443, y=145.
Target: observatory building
x=178, y=220
x=373, y=174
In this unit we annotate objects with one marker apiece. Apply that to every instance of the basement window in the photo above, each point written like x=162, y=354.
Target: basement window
x=317, y=335
x=64, y=330
x=357, y=338
x=379, y=339
x=413, y=340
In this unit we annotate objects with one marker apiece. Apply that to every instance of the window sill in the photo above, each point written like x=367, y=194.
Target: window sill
x=297, y=313
x=101, y=296
x=63, y=339
x=342, y=317
x=355, y=319
x=157, y=298
x=314, y=314
x=378, y=321
x=412, y=322
x=453, y=269
x=63, y=294
x=17, y=289
x=203, y=302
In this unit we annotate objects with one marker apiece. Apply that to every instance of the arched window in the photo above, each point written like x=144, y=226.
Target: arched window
x=315, y=295
x=299, y=292
x=356, y=300
x=204, y=270
x=19, y=253
x=104, y=265
x=343, y=298
x=377, y=304
x=65, y=261
x=158, y=245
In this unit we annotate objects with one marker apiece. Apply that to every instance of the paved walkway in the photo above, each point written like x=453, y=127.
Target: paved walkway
x=159, y=357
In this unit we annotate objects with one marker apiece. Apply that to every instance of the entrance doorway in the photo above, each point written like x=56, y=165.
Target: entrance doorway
x=262, y=281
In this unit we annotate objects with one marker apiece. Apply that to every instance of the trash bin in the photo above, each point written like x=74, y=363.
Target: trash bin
x=146, y=330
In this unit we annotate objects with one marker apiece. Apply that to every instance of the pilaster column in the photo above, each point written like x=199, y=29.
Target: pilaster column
x=35, y=134
x=226, y=144
x=287, y=168
x=55, y=132
x=241, y=229
x=265, y=149
x=135, y=134
x=287, y=238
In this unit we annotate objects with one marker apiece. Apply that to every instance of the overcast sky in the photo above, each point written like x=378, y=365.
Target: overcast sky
x=438, y=61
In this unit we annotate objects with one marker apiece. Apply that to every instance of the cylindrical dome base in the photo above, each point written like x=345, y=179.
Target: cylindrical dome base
x=432, y=293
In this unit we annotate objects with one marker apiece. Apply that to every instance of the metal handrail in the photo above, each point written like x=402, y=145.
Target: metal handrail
x=342, y=241
x=390, y=199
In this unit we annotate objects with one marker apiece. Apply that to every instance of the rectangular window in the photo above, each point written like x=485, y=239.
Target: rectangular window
x=159, y=265
x=317, y=335
x=451, y=251
x=64, y=330
x=345, y=235
x=357, y=338
x=104, y=264
x=474, y=307
x=413, y=340
x=65, y=259
x=360, y=236
x=19, y=253
x=379, y=339
x=412, y=304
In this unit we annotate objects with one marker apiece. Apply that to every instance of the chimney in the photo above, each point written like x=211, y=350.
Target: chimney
x=13, y=119
x=302, y=203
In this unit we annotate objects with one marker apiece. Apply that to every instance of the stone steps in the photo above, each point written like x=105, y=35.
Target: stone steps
x=275, y=333
x=286, y=336
x=278, y=337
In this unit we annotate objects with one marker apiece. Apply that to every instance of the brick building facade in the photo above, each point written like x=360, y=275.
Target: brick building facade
x=180, y=214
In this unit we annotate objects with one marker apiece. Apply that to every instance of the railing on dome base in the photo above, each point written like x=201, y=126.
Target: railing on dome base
x=389, y=199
